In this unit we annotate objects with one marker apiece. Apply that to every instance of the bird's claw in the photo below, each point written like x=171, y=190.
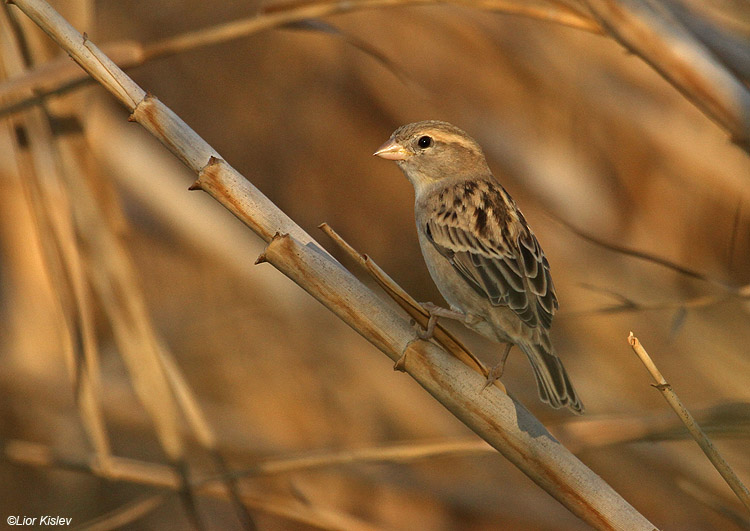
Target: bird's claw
x=496, y=372
x=426, y=333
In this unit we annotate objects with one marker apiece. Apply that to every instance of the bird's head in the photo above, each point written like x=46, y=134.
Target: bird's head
x=431, y=151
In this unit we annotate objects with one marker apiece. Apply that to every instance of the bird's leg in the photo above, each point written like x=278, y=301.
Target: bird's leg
x=426, y=334
x=497, y=371
x=435, y=312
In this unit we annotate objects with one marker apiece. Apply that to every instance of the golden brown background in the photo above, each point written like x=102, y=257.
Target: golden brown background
x=575, y=128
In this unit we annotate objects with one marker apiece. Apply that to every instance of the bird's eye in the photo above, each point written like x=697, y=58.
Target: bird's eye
x=424, y=142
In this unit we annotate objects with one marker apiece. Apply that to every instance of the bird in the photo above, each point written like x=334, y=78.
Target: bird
x=480, y=251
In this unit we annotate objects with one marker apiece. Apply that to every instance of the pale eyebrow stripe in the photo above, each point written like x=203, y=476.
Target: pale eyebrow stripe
x=448, y=137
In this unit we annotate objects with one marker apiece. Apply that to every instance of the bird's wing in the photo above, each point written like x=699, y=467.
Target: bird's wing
x=508, y=269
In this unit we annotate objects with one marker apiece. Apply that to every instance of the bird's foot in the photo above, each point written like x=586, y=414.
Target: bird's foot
x=425, y=333
x=436, y=312
x=496, y=372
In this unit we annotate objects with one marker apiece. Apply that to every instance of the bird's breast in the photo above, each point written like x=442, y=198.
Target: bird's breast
x=454, y=289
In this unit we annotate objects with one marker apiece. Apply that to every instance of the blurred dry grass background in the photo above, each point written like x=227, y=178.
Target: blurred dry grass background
x=575, y=128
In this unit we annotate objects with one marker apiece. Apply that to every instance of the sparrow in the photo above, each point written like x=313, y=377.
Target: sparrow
x=480, y=252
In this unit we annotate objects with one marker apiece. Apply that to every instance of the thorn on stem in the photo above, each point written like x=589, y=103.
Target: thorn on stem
x=400, y=364
x=212, y=161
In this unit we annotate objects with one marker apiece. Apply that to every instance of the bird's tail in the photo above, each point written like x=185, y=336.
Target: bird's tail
x=551, y=378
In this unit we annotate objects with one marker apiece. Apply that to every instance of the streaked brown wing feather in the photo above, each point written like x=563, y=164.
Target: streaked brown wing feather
x=508, y=273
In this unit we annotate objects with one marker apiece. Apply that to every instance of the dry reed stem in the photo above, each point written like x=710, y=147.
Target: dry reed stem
x=716, y=503
x=650, y=30
x=628, y=305
x=156, y=379
x=391, y=454
x=158, y=475
x=650, y=257
x=580, y=433
x=42, y=179
x=125, y=514
x=695, y=430
x=585, y=434
x=163, y=476
x=279, y=15
x=187, y=400
x=112, y=274
x=502, y=422
x=201, y=429
x=59, y=75
x=158, y=382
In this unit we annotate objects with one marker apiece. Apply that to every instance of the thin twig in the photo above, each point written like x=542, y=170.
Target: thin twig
x=451, y=343
x=714, y=502
x=125, y=514
x=392, y=453
x=695, y=430
x=202, y=430
x=57, y=77
x=593, y=432
x=165, y=477
x=650, y=30
x=642, y=255
x=629, y=305
x=732, y=247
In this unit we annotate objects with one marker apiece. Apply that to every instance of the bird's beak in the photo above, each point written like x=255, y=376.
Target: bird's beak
x=391, y=150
